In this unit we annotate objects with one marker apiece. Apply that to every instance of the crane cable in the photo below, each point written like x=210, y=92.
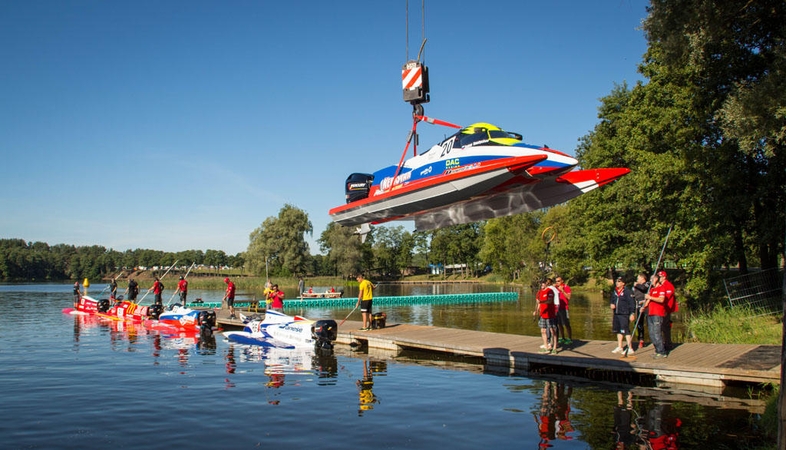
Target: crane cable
x=422, y=27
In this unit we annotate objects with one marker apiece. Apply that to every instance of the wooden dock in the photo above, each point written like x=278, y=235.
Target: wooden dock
x=708, y=367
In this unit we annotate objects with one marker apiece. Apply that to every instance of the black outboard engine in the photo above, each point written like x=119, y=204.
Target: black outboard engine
x=206, y=321
x=103, y=305
x=357, y=186
x=155, y=310
x=325, y=332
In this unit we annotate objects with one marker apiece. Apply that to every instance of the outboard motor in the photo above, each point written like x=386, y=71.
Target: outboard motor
x=155, y=310
x=358, y=186
x=103, y=305
x=206, y=321
x=325, y=332
x=378, y=320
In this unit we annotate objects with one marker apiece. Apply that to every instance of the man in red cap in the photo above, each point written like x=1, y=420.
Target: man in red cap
x=229, y=296
x=656, y=311
x=670, y=302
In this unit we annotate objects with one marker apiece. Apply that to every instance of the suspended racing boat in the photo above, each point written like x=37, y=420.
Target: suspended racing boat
x=479, y=173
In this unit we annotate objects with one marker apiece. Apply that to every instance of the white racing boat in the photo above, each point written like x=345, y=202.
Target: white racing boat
x=283, y=331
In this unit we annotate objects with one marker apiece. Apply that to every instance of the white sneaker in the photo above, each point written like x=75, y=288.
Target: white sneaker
x=543, y=346
x=617, y=350
x=630, y=352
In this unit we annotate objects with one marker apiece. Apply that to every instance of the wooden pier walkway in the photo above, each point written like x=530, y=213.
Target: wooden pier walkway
x=710, y=365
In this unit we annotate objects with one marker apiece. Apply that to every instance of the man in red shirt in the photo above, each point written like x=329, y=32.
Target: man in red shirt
x=670, y=300
x=548, y=318
x=158, y=289
x=229, y=296
x=182, y=288
x=655, y=304
x=277, y=299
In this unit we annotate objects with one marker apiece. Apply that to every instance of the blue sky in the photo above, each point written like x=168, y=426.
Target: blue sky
x=182, y=125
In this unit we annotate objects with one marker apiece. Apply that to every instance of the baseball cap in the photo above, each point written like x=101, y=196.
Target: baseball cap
x=226, y=280
x=662, y=273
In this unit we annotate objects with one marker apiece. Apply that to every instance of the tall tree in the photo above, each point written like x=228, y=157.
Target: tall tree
x=343, y=249
x=280, y=243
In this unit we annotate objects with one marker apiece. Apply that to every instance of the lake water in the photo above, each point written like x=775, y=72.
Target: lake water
x=79, y=382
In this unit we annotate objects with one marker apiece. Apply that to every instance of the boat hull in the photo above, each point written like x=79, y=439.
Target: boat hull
x=479, y=173
x=283, y=331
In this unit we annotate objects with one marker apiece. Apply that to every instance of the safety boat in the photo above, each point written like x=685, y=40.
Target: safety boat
x=480, y=172
x=280, y=330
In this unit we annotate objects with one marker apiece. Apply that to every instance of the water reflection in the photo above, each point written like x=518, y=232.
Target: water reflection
x=553, y=420
x=366, y=396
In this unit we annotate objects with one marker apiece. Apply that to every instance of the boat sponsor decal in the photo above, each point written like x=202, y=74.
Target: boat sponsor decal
x=451, y=163
x=292, y=328
x=462, y=168
x=426, y=171
x=186, y=320
x=356, y=186
x=389, y=182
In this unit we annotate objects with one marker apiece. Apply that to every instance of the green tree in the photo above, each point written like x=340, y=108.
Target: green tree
x=280, y=243
x=510, y=245
x=699, y=159
x=457, y=244
x=343, y=249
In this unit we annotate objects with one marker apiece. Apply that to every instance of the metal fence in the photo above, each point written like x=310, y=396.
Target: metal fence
x=760, y=291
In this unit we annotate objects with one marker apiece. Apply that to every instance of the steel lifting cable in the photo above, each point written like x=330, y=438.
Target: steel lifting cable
x=422, y=27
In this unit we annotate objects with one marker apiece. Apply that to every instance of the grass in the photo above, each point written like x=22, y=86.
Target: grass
x=734, y=326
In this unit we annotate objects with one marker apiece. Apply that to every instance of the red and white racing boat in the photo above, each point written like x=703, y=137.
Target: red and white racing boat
x=123, y=310
x=479, y=173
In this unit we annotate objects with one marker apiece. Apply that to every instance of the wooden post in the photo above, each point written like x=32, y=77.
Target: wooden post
x=781, y=393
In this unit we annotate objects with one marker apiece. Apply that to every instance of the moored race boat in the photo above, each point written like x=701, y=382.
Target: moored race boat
x=283, y=331
x=122, y=310
x=187, y=319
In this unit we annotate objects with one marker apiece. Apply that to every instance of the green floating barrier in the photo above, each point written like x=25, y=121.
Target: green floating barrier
x=349, y=302
x=406, y=300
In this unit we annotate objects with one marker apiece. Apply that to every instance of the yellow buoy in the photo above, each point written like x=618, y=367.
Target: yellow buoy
x=86, y=283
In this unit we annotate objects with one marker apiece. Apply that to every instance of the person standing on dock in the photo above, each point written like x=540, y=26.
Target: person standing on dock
x=301, y=286
x=267, y=292
x=623, y=306
x=229, y=296
x=365, y=297
x=548, y=321
x=182, y=288
x=670, y=300
x=277, y=299
x=640, y=289
x=563, y=317
x=656, y=311
x=158, y=289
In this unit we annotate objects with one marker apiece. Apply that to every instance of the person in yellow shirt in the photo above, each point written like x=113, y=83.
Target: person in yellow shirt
x=268, y=293
x=365, y=296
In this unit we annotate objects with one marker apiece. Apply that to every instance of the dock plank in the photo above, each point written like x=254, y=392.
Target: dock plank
x=688, y=363
x=709, y=365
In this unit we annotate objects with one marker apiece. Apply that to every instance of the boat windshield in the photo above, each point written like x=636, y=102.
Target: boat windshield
x=478, y=136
